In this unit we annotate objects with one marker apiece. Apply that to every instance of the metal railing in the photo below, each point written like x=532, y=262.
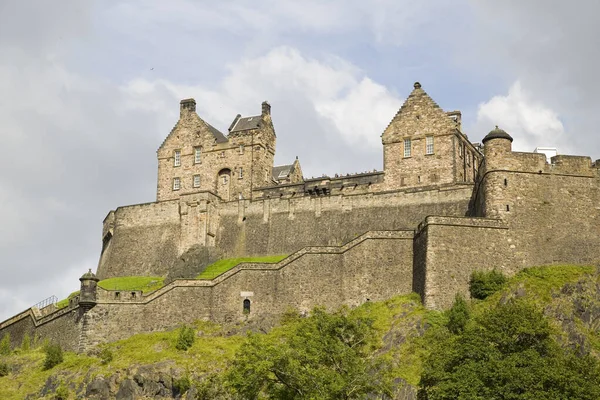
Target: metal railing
x=46, y=302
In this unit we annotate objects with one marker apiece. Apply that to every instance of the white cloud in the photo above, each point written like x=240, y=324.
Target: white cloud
x=525, y=118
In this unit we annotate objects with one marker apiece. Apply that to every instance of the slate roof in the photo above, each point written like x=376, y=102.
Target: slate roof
x=246, y=123
x=216, y=133
x=282, y=171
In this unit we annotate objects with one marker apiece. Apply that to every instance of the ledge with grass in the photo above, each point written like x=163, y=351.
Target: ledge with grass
x=222, y=266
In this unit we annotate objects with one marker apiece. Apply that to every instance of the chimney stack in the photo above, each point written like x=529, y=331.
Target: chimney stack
x=266, y=108
x=188, y=105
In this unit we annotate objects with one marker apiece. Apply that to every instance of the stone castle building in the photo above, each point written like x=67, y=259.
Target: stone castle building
x=441, y=208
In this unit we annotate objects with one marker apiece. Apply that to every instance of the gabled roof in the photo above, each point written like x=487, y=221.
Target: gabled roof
x=282, y=171
x=417, y=106
x=246, y=123
x=219, y=137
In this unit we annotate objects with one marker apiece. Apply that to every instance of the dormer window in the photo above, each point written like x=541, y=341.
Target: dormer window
x=177, y=158
x=197, y=155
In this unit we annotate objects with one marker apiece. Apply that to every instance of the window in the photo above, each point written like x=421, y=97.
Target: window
x=406, y=147
x=177, y=158
x=468, y=158
x=222, y=154
x=241, y=173
x=429, y=145
x=460, y=149
x=197, y=155
x=241, y=149
x=246, y=306
x=196, y=180
x=224, y=179
x=176, y=184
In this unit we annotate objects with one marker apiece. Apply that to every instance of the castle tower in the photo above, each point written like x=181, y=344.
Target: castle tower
x=497, y=150
x=423, y=145
x=89, y=286
x=255, y=137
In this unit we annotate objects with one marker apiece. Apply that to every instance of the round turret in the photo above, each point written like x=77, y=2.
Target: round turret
x=497, y=133
x=495, y=143
x=89, y=284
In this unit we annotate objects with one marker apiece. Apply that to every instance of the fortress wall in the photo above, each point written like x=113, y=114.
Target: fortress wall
x=373, y=267
x=61, y=327
x=285, y=225
x=556, y=218
x=455, y=247
x=144, y=240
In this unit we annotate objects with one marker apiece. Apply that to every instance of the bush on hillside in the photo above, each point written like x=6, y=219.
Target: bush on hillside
x=484, y=284
x=4, y=369
x=54, y=356
x=186, y=338
x=106, y=355
x=26, y=342
x=5, y=345
x=458, y=315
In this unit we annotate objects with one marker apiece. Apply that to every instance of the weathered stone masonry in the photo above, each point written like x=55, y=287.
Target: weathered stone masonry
x=441, y=208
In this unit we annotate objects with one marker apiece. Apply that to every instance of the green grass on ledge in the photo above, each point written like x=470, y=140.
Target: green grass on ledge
x=65, y=302
x=217, y=268
x=144, y=283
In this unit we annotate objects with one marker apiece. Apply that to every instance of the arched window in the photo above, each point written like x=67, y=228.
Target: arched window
x=246, y=306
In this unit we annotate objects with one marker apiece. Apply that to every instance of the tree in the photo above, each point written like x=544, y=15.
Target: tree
x=54, y=356
x=509, y=353
x=458, y=315
x=483, y=284
x=185, y=338
x=324, y=356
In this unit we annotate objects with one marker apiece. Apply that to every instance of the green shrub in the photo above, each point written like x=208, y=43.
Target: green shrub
x=186, y=338
x=5, y=345
x=4, y=369
x=62, y=393
x=106, y=355
x=484, y=284
x=181, y=385
x=54, y=356
x=26, y=342
x=458, y=315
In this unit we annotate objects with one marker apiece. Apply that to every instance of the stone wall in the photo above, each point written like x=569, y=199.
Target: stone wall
x=373, y=267
x=448, y=250
x=140, y=240
x=62, y=327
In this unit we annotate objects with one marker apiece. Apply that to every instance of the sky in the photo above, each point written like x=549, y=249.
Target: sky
x=89, y=89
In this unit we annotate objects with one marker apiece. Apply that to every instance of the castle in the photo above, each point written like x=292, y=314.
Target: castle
x=441, y=208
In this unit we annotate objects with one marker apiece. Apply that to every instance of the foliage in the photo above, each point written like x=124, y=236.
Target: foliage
x=212, y=387
x=26, y=342
x=4, y=369
x=5, y=345
x=484, y=284
x=324, y=356
x=144, y=283
x=185, y=338
x=106, y=355
x=62, y=393
x=217, y=268
x=54, y=356
x=508, y=353
x=182, y=384
x=458, y=315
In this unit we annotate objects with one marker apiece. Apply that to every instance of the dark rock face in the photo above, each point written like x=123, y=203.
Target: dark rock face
x=99, y=389
x=128, y=390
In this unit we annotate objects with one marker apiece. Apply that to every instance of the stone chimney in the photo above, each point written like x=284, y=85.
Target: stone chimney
x=187, y=106
x=266, y=108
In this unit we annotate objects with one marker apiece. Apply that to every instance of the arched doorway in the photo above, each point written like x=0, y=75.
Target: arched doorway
x=224, y=183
